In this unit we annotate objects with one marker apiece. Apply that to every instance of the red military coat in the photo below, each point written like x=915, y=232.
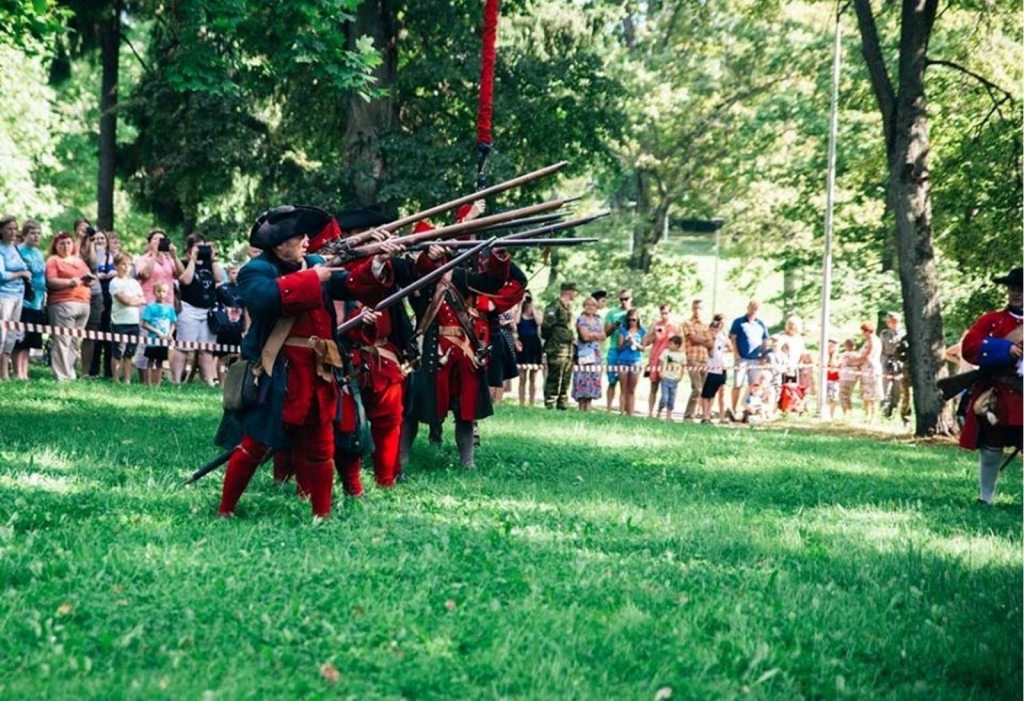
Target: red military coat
x=1010, y=403
x=457, y=375
x=310, y=398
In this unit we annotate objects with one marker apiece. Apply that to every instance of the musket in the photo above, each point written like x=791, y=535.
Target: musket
x=529, y=234
x=417, y=284
x=446, y=232
x=341, y=247
x=526, y=221
x=955, y=384
x=524, y=243
x=479, y=194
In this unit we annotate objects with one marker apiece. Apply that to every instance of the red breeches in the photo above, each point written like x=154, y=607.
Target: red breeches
x=457, y=380
x=310, y=457
x=384, y=412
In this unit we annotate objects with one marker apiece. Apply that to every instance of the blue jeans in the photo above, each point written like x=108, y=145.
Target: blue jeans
x=668, y=394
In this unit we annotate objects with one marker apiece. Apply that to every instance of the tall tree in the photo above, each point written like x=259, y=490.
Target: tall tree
x=903, y=107
x=110, y=46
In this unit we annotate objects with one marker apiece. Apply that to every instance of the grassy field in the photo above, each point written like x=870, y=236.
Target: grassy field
x=586, y=557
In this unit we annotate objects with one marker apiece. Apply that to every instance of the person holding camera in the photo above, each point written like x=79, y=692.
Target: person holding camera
x=664, y=330
x=32, y=309
x=159, y=264
x=13, y=276
x=68, y=282
x=197, y=287
x=630, y=343
x=613, y=323
x=97, y=254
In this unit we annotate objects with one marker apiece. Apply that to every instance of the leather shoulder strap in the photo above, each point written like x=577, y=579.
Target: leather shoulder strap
x=275, y=341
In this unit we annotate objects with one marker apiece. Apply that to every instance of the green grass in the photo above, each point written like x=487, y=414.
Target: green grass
x=586, y=557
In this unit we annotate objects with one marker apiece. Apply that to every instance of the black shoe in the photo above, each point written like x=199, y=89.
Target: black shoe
x=729, y=415
x=981, y=502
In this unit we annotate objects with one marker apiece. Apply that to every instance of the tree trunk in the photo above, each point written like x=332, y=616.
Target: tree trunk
x=648, y=224
x=110, y=44
x=905, y=126
x=368, y=120
x=908, y=179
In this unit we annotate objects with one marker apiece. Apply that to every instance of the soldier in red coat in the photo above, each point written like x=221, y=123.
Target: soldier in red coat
x=452, y=372
x=288, y=296
x=993, y=421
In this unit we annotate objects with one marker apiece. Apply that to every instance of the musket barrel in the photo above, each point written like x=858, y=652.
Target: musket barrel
x=479, y=194
x=457, y=229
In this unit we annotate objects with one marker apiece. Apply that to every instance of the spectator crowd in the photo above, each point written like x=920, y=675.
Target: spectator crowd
x=715, y=368
x=712, y=367
x=85, y=282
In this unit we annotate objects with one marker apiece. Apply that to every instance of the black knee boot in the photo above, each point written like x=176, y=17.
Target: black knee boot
x=464, y=441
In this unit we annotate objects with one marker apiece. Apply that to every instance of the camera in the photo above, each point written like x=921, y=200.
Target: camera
x=90, y=231
x=164, y=246
x=204, y=252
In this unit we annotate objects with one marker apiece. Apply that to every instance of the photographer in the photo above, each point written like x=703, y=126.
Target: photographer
x=159, y=264
x=95, y=251
x=197, y=288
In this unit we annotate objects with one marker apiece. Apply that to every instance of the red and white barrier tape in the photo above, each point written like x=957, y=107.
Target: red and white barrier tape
x=601, y=367
x=216, y=347
x=91, y=335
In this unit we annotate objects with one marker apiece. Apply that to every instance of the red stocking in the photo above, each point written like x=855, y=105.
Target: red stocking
x=283, y=470
x=241, y=467
x=348, y=470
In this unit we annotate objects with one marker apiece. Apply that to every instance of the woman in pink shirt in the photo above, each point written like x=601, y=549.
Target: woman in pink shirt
x=663, y=330
x=160, y=263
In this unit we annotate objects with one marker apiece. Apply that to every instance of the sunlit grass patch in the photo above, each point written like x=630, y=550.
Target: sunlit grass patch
x=585, y=557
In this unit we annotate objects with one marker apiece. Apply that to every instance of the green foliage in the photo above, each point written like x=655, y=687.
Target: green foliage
x=29, y=25
x=553, y=99
x=208, y=110
x=586, y=557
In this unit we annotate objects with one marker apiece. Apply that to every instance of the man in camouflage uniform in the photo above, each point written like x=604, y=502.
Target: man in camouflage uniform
x=559, y=339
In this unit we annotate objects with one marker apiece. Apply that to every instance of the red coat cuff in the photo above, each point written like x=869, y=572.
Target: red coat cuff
x=299, y=292
x=361, y=284
x=425, y=265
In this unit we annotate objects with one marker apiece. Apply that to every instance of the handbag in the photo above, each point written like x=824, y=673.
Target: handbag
x=30, y=292
x=217, y=319
x=245, y=385
x=588, y=356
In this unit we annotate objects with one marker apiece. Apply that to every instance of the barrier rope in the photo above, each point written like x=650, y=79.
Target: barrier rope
x=92, y=335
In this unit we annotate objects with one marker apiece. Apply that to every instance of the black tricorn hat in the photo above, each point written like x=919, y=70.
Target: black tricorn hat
x=363, y=218
x=277, y=225
x=1015, y=278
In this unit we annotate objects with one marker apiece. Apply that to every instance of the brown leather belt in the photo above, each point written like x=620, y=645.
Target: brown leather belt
x=379, y=350
x=452, y=331
x=326, y=351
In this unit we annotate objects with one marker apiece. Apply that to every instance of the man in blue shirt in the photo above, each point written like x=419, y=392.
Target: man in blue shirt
x=749, y=339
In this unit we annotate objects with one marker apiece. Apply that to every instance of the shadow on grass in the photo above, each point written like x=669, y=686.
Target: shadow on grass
x=789, y=473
